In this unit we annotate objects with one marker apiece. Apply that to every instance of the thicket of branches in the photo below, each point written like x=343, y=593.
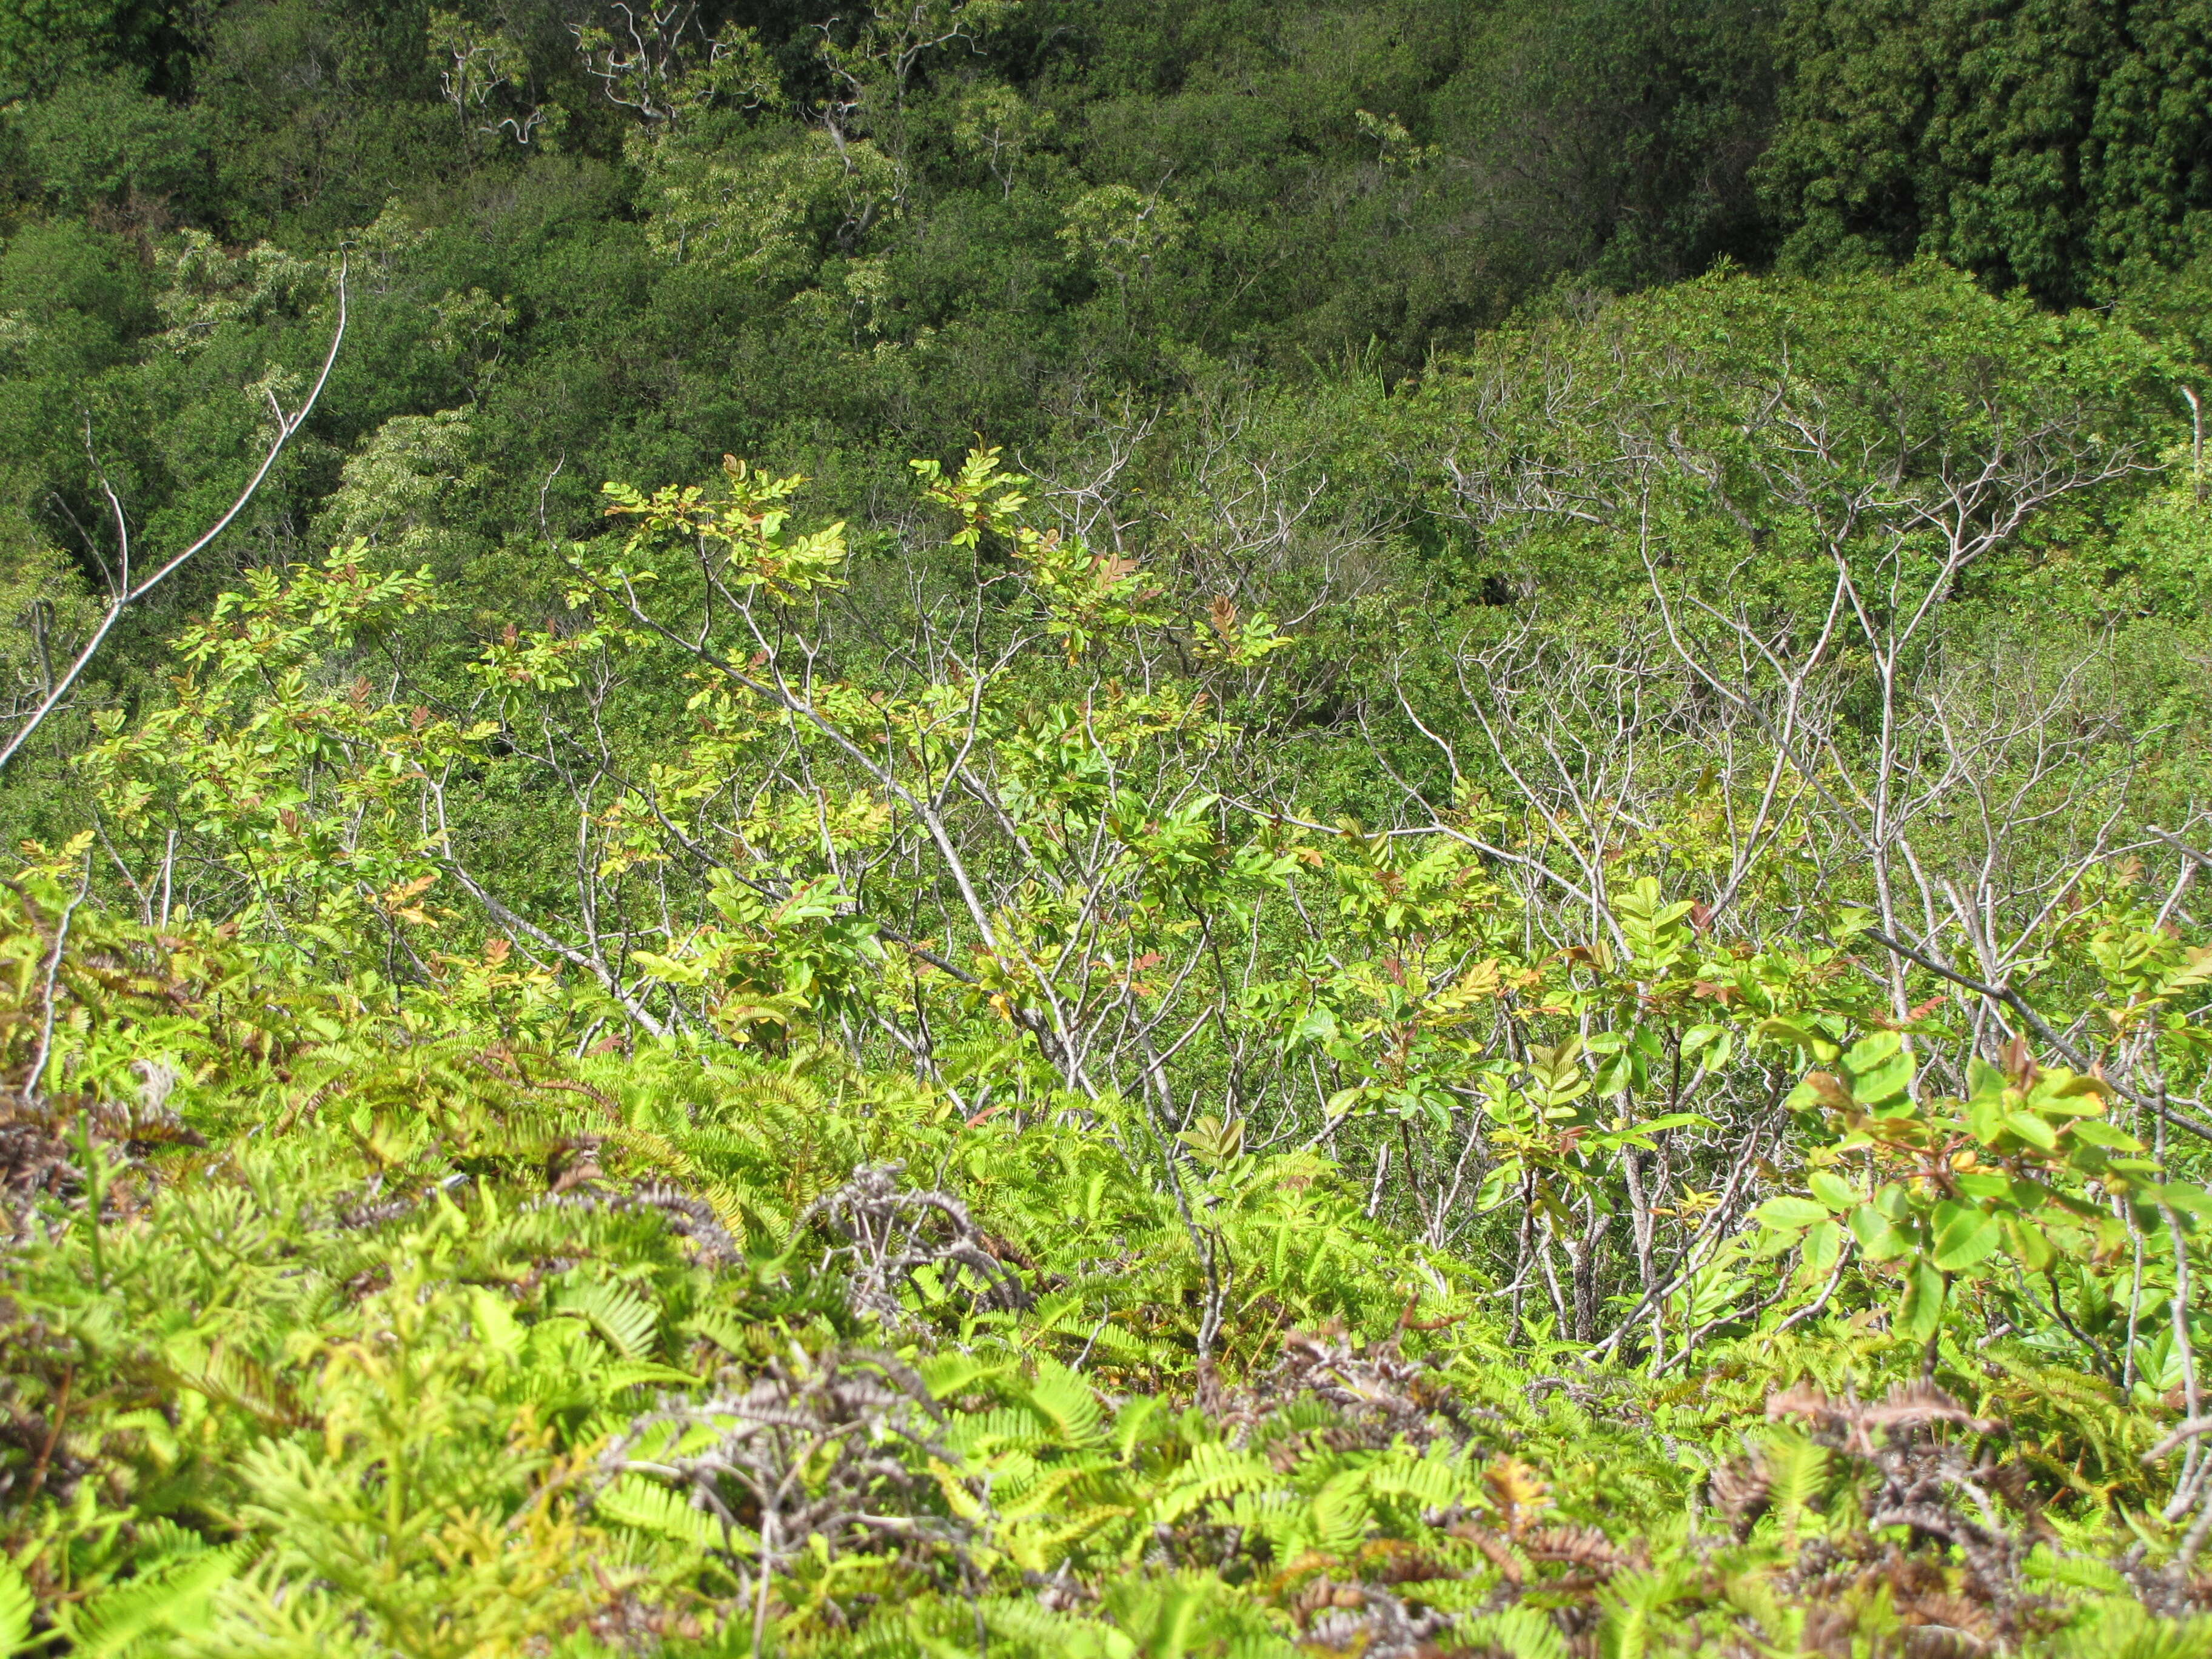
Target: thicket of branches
x=1109, y=1061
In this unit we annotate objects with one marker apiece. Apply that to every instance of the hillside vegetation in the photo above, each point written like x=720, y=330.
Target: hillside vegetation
x=1105, y=830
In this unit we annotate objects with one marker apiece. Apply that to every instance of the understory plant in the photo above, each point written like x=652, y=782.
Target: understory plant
x=957, y=1155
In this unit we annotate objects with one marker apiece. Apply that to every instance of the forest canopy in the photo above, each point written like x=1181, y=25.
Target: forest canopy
x=1099, y=828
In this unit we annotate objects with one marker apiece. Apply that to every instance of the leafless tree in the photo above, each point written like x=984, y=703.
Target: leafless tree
x=127, y=586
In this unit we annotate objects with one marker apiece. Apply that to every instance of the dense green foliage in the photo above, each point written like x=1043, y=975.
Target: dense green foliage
x=1104, y=828
x=832, y=239
x=371, y=1335
x=2052, y=145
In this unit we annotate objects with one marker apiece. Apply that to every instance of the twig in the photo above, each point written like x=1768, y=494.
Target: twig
x=53, y=973
x=2011, y=998
x=1812, y=1308
x=128, y=593
x=1656, y=1295
x=2181, y=1432
x=2179, y=845
x=53, y=1433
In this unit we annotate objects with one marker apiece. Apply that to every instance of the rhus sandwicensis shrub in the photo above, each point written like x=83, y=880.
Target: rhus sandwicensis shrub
x=934, y=1141
x=403, y=1382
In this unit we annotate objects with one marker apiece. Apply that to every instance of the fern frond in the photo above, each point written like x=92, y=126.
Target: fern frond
x=624, y=1318
x=172, y=1600
x=1517, y=1632
x=636, y=1501
x=17, y=1606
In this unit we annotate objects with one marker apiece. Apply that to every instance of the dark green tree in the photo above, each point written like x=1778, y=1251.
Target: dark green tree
x=44, y=42
x=2042, y=142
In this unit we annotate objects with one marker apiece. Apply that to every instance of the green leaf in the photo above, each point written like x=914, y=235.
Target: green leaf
x=2178, y=1195
x=1879, y=1071
x=1875, y=1050
x=1964, y=1235
x=1711, y=1046
x=1616, y=1074
x=2092, y=1133
x=1983, y=1184
x=1922, y=1311
x=1978, y=1184
x=1790, y=1215
x=1882, y=1239
x=1496, y=1185
x=2071, y=1093
x=1834, y=1191
x=1801, y=1034
x=1824, y=1242
x=2030, y=1245
x=1985, y=1118
x=670, y=969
